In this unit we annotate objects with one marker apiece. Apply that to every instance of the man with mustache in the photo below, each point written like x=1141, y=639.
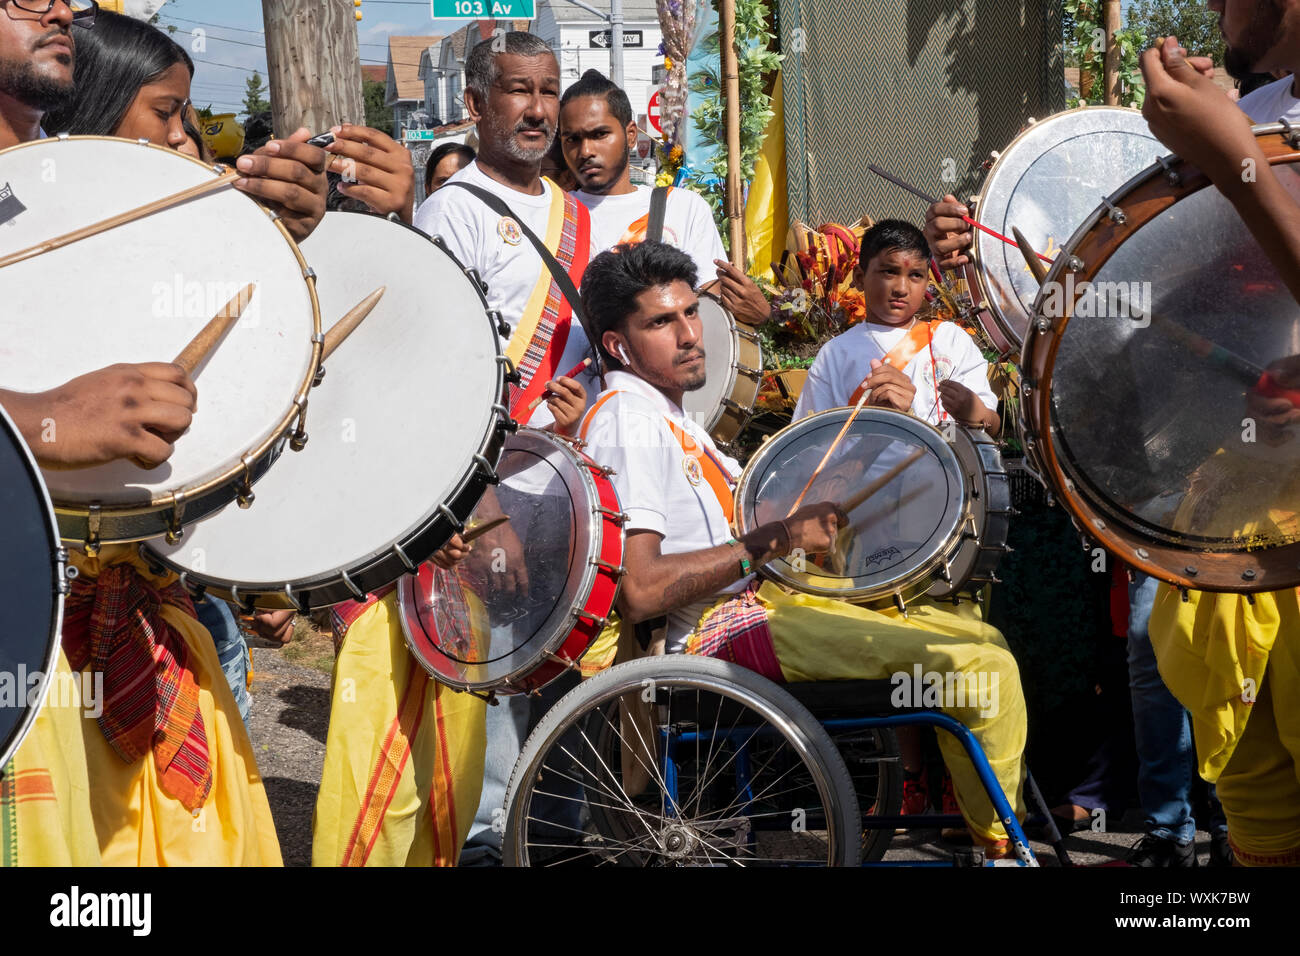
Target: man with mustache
x=682, y=562
x=598, y=135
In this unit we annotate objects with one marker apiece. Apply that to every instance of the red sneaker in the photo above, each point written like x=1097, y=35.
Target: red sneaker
x=916, y=794
x=949, y=798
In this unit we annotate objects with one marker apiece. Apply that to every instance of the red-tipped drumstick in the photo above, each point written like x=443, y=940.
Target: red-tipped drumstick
x=532, y=406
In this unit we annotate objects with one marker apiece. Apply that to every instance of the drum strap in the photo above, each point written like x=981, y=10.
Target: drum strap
x=908, y=347
x=651, y=225
x=539, y=361
x=711, y=469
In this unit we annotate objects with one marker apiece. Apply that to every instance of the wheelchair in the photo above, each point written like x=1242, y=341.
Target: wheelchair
x=680, y=760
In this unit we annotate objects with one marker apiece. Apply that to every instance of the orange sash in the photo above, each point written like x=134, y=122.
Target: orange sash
x=900, y=355
x=711, y=469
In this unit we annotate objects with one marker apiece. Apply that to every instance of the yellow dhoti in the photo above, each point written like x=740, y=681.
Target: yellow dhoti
x=45, y=815
x=141, y=825
x=403, y=759
x=1235, y=666
x=817, y=639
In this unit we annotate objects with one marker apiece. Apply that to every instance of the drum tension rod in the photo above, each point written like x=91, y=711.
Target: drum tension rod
x=298, y=440
x=451, y=517
x=619, y=516
x=598, y=621
x=1172, y=176
x=410, y=566
x=1115, y=214
x=900, y=604
x=244, y=493
x=616, y=570
x=357, y=593
x=298, y=605
x=174, y=530
x=485, y=466
x=568, y=662
x=197, y=591
x=91, y=544
x=512, y=373
x=61, y=565
x=1290, y=132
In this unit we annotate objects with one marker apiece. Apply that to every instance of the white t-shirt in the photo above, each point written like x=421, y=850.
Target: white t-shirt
x=688, y=224
x=845, y=361
x=503, y=258
x=1273, y=102
x=629, y=433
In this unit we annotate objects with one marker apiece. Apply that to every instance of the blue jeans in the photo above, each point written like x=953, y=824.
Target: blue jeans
x=1166, y=755
x=216, y=616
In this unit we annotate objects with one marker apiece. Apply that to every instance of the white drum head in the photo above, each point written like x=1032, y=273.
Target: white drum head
x=140, y=292
x=403, y=409
x=704, y=405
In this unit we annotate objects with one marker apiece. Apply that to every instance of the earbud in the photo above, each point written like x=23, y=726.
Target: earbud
x=622, y=354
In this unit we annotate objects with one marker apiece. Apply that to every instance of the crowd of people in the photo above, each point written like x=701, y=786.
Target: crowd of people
x=418, y=775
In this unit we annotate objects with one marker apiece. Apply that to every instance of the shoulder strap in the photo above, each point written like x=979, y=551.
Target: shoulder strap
x=654, y=230
x=907, y=348
x=558, y=273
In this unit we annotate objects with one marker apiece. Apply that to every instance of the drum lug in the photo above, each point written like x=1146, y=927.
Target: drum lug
x=506, y=423
x=244, y=494
x=450, y=515
x=61, y=563
x=1191, y=571
x=1115, y=213
x=1290, y=132
x=1172, y=176
x=478, y=281
x=91, y=544
x=357, y=593
x=900, y=604
x=298, y=605
x=512, y=373
x=600, y=622
x=244, y=604
x=1248, y=575
x=619, y=516
x=617, y=570
x=568, y=663
x=174, y=530
x=750, y=373
x=298, y=440
x=318, y=339
x=196, y=591
x=490, y=698
x=486, y=468
x=410, y=566
x=945, y=573
x=1183, y=593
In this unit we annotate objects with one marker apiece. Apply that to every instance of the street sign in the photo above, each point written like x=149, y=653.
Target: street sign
x=483, y=9
x=604, y=39
x=652, y=112
x=419, y=135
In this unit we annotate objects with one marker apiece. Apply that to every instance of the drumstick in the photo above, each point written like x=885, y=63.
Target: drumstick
x=532, y=406
x=199, y=347
x=829, y=451
x=148, y=209
x=853, y=501
x=931, y=200
x=1031, y=256
x=482, y=528
x=345, y=326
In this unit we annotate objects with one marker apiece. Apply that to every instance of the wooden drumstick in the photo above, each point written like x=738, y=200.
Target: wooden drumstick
x=1031, y=256
x=201, y=346
x=345, y=326
x=830, y=451
x=94, y=229
x=483, y=527
x=855, y=500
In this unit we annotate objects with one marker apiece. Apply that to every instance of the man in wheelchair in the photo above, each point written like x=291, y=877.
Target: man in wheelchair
x=682, y=561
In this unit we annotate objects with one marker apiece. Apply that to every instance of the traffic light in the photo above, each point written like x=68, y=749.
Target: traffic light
x=357, y=4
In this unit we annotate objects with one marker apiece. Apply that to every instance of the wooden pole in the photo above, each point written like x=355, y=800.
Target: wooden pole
x=1110, y=14
x=314, y=64
x=735, y=206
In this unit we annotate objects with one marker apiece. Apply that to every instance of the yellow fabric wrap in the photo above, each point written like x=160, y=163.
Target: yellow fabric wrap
x=46, y=786
x=820, y=639
x=138, y=824
x=403, y=758
x=766, y=211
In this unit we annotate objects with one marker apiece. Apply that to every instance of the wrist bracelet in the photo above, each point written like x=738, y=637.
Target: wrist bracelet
x=746, y=569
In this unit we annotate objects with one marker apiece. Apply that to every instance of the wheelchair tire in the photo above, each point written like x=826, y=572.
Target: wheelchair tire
x=815, y=811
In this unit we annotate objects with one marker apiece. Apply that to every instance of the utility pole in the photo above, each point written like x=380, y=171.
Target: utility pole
x=616, y=42
x=314, y=64
x=1110, y=71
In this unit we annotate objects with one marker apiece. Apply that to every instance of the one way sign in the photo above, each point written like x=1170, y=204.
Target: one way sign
x=604, y=38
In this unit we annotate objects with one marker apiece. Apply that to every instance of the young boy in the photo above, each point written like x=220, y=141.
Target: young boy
x=933, y=370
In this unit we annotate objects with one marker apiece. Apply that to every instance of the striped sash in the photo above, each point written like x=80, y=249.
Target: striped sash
x=907, y=349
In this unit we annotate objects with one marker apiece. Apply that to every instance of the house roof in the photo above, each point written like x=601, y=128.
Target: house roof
x=374, y=71
x=403, y=70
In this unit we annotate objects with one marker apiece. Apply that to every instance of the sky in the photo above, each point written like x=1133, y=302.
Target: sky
x=234, y=44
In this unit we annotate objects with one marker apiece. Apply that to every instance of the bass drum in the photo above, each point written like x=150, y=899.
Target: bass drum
x=1161, y=381
x=409, y=425
x=32, y=585
x=1045, y=183
x=537, y=590
x=733, y=361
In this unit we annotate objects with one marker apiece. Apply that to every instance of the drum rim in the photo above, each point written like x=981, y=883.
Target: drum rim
x=972, y=441
x=1015, y=341
x=597, y=534
x=904, y=587
x=9, y=746
x=75, y=519
x=739, y=335
x=1204, y=569
x=732, y=364
x=279, y=595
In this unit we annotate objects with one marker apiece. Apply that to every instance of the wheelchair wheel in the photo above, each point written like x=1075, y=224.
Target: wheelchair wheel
x=873, y=760
x=680, y=761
